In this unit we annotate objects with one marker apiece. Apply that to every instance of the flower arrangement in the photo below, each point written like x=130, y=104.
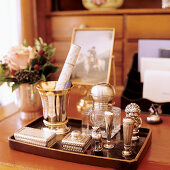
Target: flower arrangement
x=24, y=64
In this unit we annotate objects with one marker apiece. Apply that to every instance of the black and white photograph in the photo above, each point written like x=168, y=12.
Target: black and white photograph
x=95, y=55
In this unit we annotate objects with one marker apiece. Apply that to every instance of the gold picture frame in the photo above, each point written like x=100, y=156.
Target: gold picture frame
x=96, y=55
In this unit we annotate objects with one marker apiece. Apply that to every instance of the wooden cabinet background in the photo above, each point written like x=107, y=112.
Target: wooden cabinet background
x=130, y=24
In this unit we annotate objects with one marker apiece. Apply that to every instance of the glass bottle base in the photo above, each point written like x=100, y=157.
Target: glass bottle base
x=108, y=146
x=126, y=153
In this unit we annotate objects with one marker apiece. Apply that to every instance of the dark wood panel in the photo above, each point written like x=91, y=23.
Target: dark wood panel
x=118, y=76
x=117, y=51
x=62, y=49
x=63, y=26
x=64, y=5
x=41, y=18
x=148, y=26
x=142, y=4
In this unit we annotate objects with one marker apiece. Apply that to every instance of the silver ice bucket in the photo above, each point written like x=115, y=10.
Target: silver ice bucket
x=54, y=104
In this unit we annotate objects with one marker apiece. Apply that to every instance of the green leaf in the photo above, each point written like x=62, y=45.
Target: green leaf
x=28, y=67
x=25, y=44
x=43, y=77
x=51, y=52
x=50, y=46
x=34, y=61
x=1, y=72
x=48, y=69
x=42, y=60
x=14, y=87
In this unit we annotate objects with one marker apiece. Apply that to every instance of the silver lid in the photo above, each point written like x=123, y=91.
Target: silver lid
x=103, y=91
x=132, y=108
x=75, y=134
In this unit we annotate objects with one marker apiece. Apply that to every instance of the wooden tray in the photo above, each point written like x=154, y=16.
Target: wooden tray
x=111, y=158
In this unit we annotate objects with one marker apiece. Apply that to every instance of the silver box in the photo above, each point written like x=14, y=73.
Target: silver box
x=36, y=136
x=76, y=142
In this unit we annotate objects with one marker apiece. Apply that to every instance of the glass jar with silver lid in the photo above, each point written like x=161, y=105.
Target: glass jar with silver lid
x=102, y=95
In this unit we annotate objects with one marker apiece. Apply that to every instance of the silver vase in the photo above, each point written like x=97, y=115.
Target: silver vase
x=28, y=100
x=54, y=104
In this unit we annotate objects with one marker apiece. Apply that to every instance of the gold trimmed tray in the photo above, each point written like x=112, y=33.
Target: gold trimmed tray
x=111, y=158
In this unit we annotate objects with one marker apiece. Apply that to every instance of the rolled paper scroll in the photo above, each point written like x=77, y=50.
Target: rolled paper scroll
x=68, y=66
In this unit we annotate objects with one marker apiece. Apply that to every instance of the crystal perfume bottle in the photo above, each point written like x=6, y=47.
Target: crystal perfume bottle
x=86, y=124
x=97, y=138
x=117, y=119
x=102, y=95
x=109, y=117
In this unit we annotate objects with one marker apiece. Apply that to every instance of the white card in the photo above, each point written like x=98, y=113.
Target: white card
x=150, y=48
x=154, y=64
x=156, y=86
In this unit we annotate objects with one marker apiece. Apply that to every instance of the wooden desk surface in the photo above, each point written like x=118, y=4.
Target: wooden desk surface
x=156, y=158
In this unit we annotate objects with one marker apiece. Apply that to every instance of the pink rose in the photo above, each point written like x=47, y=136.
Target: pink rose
x=19, y=56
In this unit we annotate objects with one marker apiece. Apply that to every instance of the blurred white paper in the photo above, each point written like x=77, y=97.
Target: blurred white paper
x=154, y=64
x=156, y=86
x=150, y=48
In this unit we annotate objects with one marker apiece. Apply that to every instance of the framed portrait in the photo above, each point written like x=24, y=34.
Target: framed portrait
x=94, y=61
